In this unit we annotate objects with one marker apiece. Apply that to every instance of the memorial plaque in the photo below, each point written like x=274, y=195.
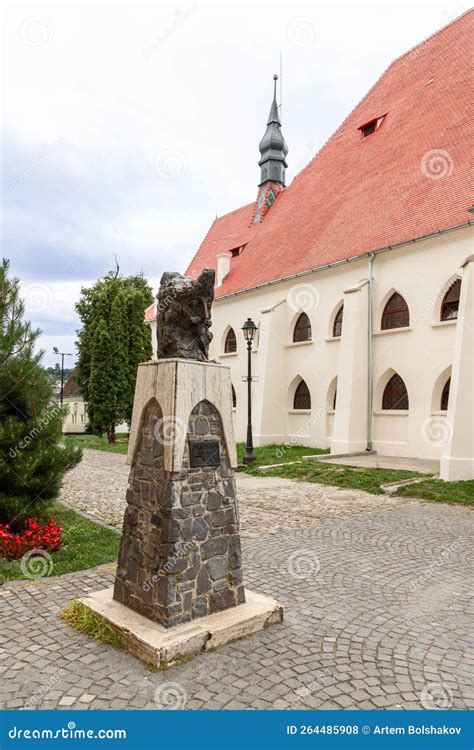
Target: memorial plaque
x=204, y=453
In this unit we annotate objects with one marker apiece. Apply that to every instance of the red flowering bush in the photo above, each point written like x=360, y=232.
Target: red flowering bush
x=35, y=535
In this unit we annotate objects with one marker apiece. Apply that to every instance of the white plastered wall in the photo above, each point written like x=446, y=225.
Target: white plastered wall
x=420, y=354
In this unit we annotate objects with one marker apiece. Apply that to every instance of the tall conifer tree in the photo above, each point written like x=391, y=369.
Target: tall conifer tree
x=32, y=459
x=112, y=342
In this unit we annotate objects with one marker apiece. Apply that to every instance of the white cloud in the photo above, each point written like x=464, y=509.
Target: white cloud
x=119, y=84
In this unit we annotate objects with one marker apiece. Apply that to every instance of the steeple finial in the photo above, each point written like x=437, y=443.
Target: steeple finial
x=273, y=149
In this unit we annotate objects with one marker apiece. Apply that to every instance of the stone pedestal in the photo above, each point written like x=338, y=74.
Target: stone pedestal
x=180, y=558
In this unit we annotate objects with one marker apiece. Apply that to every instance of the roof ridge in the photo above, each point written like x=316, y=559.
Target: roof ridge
x=218, y=218
x=199, y=246
x=431, y=36
x=376, y=82
x=246, y=205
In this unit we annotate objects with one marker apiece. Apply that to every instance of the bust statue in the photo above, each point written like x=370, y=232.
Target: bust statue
x=184, y=315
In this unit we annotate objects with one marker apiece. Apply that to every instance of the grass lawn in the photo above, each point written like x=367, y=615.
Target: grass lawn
x=347, y=477
x=100, y=443
x=85, y=544
x=442, y=492
x=275, y=454
x=340, y=476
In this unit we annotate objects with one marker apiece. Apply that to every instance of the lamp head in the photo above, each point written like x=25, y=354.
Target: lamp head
x=249, y=329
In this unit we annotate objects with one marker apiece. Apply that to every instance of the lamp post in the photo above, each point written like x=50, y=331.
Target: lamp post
x=249, y=329
x=63, y=354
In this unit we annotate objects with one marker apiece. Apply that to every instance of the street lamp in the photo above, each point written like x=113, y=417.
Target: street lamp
x=63, y=354
x=249, y=329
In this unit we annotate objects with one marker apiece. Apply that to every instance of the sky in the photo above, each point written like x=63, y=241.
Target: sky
x=126, y=128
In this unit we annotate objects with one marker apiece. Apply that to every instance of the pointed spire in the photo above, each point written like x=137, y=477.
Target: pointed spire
x=273, y=149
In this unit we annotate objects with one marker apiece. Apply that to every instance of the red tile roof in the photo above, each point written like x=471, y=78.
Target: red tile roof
x=150, y=312
x=71, y=386
x=408, y=179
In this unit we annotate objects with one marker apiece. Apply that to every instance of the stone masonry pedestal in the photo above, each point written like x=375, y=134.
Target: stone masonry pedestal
x=180, y=557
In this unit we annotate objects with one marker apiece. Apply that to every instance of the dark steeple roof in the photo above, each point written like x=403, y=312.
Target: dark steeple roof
x=273, y=149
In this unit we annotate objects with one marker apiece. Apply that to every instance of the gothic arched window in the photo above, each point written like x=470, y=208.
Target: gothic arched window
x=302, y=397
x=395, y=395
x=450, y=304
x=445, y=395
x=337, y=327
x=395, y=314
x=302, y=330
x=234, y=397
x=230, y=345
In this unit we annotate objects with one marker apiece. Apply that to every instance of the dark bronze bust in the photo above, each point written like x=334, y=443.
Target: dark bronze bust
x=184, y=315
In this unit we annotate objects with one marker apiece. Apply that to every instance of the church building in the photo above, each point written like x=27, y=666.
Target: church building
x=359, y=275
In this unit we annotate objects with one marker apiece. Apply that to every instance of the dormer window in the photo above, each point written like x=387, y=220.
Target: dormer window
x=371, y=126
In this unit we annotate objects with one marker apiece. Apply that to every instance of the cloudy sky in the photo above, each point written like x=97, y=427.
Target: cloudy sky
x=127, y=127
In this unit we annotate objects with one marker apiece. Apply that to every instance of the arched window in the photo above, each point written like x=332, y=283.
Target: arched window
x=337, y=327
x=395, y=314
x=302, y=330
x=234, y=397
x=302, y=397
x=230, y=345
x=450, y=304
x=395, y=394
x=445, y=395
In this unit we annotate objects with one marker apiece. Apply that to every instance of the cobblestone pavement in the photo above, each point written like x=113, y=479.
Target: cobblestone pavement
x=377, y=615
x=266, y=504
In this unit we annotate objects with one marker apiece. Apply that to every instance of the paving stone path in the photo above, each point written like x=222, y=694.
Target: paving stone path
x=377, y=612
x=266, y=504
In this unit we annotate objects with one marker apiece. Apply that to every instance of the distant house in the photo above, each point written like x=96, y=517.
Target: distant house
x=76, y=419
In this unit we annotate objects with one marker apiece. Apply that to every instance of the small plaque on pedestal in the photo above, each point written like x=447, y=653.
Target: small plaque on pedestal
x=204, y=453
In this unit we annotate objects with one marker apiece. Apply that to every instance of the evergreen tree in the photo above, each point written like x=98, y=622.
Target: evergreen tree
x=32, y=459
x=114, y=306
x=139, y=343
x=102, y=404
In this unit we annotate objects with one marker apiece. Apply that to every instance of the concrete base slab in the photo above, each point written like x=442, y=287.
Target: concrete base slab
x=376, y=461
x=391, y=488
x=159, y=646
